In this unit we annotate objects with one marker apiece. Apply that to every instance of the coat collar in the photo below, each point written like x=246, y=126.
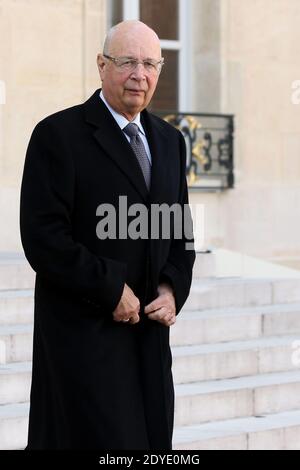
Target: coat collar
x=112, y=140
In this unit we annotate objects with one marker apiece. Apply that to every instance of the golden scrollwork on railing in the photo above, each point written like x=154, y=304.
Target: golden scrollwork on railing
x=189, y=126
x=209, y=143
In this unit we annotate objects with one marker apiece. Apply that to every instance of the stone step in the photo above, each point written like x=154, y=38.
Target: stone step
x=235, y=359
x=241, y=292
x=205, y=265
x=220, y=400
x=15, y=272
x=16, y=306
x=15, y=381
x=190, y=364
x=15, y=343
x=279, y=431
x=192, y=328
x=13, y=426
x=235, y=324
x=220, y=263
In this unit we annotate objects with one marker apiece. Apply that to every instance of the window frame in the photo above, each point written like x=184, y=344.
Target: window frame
x=131, y=11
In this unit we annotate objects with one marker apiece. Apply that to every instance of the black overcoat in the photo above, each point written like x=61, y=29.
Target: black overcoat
x=97, y=383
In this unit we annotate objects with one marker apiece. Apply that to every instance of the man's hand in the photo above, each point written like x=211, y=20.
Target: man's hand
x=163, y=308
x=128, y=308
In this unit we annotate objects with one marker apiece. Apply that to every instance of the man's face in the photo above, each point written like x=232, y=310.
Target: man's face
x=130, y=91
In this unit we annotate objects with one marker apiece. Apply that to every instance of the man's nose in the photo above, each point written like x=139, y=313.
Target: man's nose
x=139, y=72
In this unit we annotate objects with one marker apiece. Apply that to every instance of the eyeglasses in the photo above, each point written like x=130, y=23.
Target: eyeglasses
x=129, y=64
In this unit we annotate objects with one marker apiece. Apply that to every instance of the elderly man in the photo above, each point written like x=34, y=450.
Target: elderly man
x=104, y=305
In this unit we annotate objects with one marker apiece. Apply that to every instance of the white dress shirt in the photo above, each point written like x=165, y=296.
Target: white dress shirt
x=123, y=122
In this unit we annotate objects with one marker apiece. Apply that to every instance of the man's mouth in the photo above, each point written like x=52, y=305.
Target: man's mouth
x=136, y=92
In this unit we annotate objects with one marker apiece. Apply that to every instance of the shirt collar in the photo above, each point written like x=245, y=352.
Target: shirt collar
x=121, y=120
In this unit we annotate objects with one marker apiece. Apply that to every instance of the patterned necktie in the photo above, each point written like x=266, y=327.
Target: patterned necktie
x=138, y=147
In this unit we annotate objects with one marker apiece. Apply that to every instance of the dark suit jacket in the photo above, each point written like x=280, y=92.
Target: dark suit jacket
x=97, y=383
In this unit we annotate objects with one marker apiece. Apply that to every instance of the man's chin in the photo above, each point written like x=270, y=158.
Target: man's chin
x=135, y=104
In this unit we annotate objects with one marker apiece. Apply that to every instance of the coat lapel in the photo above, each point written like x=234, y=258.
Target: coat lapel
x=112, y=140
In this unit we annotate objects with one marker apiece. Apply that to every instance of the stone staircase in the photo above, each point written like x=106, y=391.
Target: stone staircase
x=235, y=367
x=16, y=319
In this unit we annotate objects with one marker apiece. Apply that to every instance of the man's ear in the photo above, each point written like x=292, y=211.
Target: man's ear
x=100, y=64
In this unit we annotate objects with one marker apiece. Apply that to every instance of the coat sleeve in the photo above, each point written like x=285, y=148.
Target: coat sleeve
x=179, y=266
x=46, y=206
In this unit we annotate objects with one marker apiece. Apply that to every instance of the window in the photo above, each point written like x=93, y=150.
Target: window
x=162, y=16
x=115, y=12
x=166, y=94
x=169, y=18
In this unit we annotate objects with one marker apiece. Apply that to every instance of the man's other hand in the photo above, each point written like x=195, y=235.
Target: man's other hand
x=128, y=308
x=163, y=308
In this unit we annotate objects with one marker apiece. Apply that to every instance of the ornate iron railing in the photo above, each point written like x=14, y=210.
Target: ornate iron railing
x=209, y=142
